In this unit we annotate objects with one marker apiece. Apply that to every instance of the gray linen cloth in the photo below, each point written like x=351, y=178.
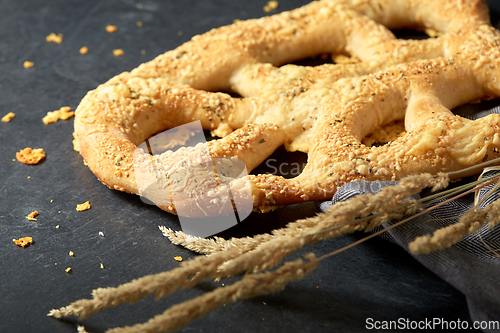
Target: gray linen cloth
x=469, y=265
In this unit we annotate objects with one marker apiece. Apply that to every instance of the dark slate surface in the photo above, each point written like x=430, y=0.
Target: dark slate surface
x=374, y=280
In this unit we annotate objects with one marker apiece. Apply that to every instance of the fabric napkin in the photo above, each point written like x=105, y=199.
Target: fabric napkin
x=470, y=266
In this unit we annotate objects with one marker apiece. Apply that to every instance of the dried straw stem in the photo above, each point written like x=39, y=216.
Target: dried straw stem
x=257, y=255
x=391, y=200
x=249, y=286
x=467, y=224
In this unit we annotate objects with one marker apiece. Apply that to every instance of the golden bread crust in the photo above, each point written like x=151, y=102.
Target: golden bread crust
x=324, y=111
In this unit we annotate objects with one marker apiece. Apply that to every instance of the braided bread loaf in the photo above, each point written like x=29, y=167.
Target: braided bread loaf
x=324, y=111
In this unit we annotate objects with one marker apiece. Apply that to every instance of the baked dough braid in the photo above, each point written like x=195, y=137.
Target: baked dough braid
x=324, y=111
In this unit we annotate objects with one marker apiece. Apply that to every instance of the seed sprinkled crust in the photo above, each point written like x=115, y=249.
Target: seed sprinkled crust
x=324, y=111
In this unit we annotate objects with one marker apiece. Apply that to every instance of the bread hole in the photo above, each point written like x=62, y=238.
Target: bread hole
x=478, y=109
x=282, y=163
x=327, y=58
x=386, y=134
x=175, y=138
x=415, y=34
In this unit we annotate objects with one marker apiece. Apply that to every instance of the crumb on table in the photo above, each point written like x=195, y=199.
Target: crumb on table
x=54, y=38
x=111, y=28
x=82, y=207
x=271, y=5
x=31, y=216
x=28, y=64
x=63, y=113
x=118, y=52
x=76, y=147
x=84, y=50
x=178, y=258
x=30, y=156
x=23, y=242
x=8, y=117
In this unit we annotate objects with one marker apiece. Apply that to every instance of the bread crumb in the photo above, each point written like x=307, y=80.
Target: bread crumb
x=28, y=64
x=271, y=5
x=143, y=51
x=101, y=233
x=23, y=242
x=54, y=38
x=30, y=156
x=31, y=216
x=139, y=24
x=63, y=113
x=71, y=254
x=178, y=258
x=82, y=207
x=102, y=265
x=57, y=226
x=84, y=50
x=8, y=117
x=68, y=270
x=111, y=28
x=76, y=147
x=81, y=329
x=118, y=52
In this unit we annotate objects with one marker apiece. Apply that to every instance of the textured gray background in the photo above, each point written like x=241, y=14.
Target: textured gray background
x=376, y=279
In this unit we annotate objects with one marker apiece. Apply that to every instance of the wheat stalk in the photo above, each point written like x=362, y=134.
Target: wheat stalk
x=259, y=254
